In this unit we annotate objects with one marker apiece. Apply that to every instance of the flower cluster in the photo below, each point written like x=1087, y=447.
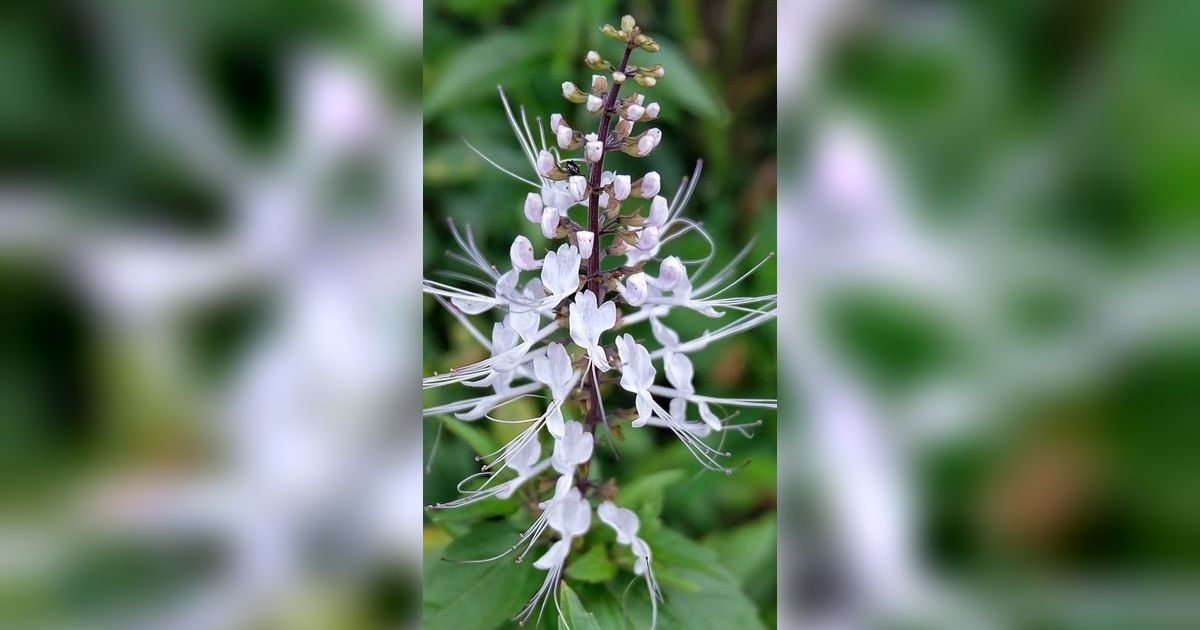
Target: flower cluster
x=571, y=287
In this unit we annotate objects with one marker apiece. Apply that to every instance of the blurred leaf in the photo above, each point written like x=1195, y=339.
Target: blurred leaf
x=473, y=70
x=477, y=596
x=718, y=601
x=683, y=85
x=645, y=494
x=592, y=566
x=575, y=616
x=478, y=439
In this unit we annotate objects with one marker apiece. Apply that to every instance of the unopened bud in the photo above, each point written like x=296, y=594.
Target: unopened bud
x=655, y=71
x=618, y=77
x=656, y=134
x=593, y=151
x=628, y=23
x=658, y=211
x=585, y=240
x=645, y=81
x=623, y=128
x=603, y=199
x=636, y=291
x=640, y=99
x=566, y=136
x=549, y=221
x=533, y=207
x=556, y=119
x=652, y=110
x=578, y=186
x=593, y=59
x=521, y=254
x=599, y=84
x=546, y=162
x=647, y=238
x=572, y=93
x=644, y=146
x=670, y=273
x=621, y=187
x=650, y=185
x=634, y=112
x=593, y=103
x=610, y=31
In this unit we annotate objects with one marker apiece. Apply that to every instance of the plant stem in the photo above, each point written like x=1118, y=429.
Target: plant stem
x=593, y=265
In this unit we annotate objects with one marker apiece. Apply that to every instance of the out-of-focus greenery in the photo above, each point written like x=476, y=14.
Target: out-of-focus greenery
x=716, y=539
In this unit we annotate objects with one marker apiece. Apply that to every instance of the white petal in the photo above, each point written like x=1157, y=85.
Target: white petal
x=549, y=221
x=533, y=207
x=650, y=184
x=658, y=211
x=521, y=254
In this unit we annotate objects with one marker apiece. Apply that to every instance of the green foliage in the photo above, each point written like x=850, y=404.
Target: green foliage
x=575, y=616
x=592, y=566
x=477, y=596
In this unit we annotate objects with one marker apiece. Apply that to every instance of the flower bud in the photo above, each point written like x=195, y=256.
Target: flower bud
x=546, y=162
x=556, y=119
x=623, y=128
x=644, y=146
x=621, y=187
x=603, y=199
x=636, y=291
x=618, y=77
x=639, y=99
x=533, y=207
x=658, y=211
x=593, y=150
x=572, y=93
x=599, y=84
x=634, y=112
x=655, y=71
x=647, y=238
x=628, y=23
x=585, y=240
x=652, y=110
x=593, y=103
x=549, y=221
x=670, y=273
x=656, y=134
x=645, y=80
x=593, y=59
x=521, y=254
x=650, y=185
x=566, y=136
x=610, y=31
x=578, y=186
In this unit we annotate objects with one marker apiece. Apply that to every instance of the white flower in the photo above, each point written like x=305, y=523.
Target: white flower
x=647, y=238
x=572, y=449
x=545, y=162
x=588, y=322
x=594, y=103
x=671, y=273
x=521, y=254
x=556, y=119
x=571, y=517
x=621, y=187
x=565, y=136
x=652, y=110
x=554, y=371
x=634, y=112
x=679, y=371
x=560, y=272
x=578, y=186
x=593, y=150
x=524, y=461
x=586, y=240
x=550, y=217
x=655, y=134
x=625, y=523
x=635, y=290
x=637, y=375
x=533, y=207
x=650, y=185
x=658, y=211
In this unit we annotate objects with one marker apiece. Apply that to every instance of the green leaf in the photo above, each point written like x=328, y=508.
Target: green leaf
x=477, y=596
x=644, y=494
x=473, y=70
x=593, y=566
x=747, y=550
x=576, y=617
x=717, y=602
x=682, y=84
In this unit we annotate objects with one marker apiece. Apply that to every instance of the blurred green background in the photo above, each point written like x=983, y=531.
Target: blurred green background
x=718, y=104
